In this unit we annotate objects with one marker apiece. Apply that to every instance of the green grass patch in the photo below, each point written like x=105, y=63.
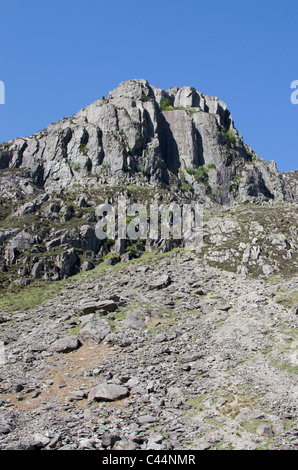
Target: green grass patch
x=288, y=300
x=25, y=298
x=196, y=403
x=287, y=367
x=74, y=331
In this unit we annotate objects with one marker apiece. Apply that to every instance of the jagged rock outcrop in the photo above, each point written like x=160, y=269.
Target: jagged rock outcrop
x=291, y=181
x=179, y=136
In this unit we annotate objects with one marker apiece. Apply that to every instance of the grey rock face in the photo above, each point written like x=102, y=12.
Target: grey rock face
x=67, y=262
x=131, y=133
x=37, y=269
x=19, y=242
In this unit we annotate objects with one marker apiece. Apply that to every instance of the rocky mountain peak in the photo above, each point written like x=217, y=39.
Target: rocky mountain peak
x=179, y=137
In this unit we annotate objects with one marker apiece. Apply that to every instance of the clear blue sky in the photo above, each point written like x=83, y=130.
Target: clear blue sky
x=57, y=57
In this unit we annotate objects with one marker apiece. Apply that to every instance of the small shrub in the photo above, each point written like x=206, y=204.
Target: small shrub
x=76, y=166
x=189, y=170
x=111, y=259
x=111, y=255
x=211, y=166
x=83, y=148
x=228, y=137
x=145, y=98
x=165, y=104
x=201, y=175
x=7, y=145
x=133, y=251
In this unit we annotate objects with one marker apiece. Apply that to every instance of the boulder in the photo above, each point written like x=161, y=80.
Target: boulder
x=94, y=331
x=4, y=428
x=108, y=440
x=160, y=282
x=112, y=260
x=87, y=266
x=37, y=269
x=265, y=430
x=65, y=345
x=133, y=321
x=108, y=392
x=89, y=240
x=125, y=444
x=68, y=262
x=82, y=201
x=146, y=419
x=92, y=306
x=267, y=270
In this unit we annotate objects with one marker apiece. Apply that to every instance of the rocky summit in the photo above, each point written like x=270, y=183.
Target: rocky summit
x=148, y=342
